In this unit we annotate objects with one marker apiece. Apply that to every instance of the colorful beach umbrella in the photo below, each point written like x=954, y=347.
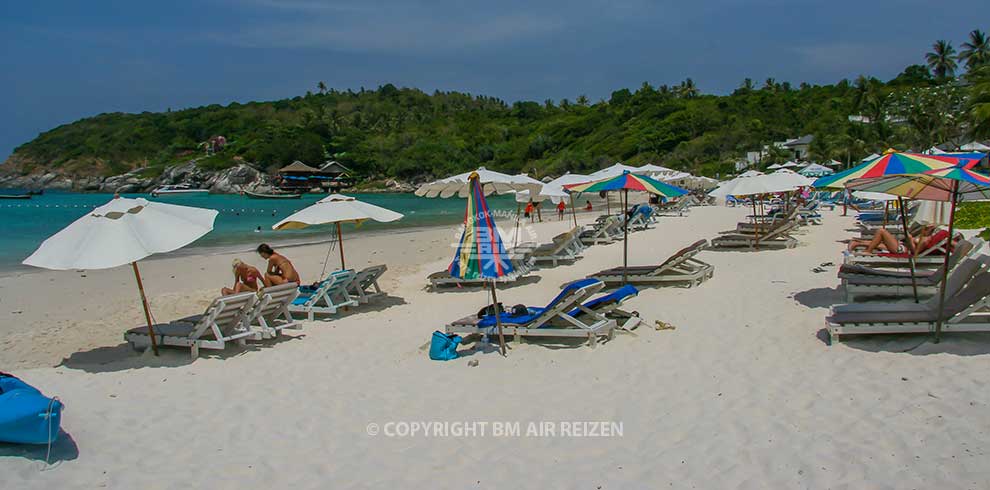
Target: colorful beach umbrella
x=480, y=253
x=625, y=183
x=890, y=163
x=945, y=184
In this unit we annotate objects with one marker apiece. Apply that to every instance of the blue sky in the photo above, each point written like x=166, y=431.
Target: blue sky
x=63, y=60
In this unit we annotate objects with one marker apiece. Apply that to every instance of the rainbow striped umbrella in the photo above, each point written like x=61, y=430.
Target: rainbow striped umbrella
x=625, y=183
x=628, y=182
x=950, y=184
x=480, y=253
x=892, y=163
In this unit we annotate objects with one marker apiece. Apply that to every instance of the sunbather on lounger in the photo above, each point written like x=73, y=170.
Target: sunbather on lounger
x=886, y=241
x=280, y=270
x=246, y=278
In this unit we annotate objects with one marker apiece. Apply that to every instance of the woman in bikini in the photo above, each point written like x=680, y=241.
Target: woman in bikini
x=246, y=278
x=885, y=241
x=280, y=270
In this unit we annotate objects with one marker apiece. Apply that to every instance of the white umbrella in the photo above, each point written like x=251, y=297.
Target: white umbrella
x=874, y=196
x=613, y=171
x=871, y=157
x=789, y=165
x=775, y=166
x=816, y=170
x=931, y=212
x=650, y=168
x=935, y=151
x=975, y=146
x=491, y=181
x=123, y=231
x=834, y=163
x=337, y=209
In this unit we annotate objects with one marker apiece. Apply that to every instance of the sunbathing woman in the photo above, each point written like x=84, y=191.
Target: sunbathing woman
x=885, y=241
x=280, y=270
x=246, y=278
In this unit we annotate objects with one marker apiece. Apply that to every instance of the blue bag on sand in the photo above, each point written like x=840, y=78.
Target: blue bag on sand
x=27, y=416
x=443, y=347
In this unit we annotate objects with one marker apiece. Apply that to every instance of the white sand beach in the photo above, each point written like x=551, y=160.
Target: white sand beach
x=744, y=393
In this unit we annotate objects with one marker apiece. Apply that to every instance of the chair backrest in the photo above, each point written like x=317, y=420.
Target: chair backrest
x=275, y=298
x=571, y=295
x=974, y=294
x=369, y=275
x=683, y=254
x=225, y=314
x=608, y=302
x=961, y=276
x=774, y=232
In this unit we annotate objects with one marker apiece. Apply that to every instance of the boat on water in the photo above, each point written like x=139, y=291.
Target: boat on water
x=273, y=195
x=16, y=196
x=169, y=190
x=26, y=415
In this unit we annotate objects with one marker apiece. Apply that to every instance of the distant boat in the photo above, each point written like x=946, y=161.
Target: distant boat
x=15, y=196
x=166, y=190
x=274, y=195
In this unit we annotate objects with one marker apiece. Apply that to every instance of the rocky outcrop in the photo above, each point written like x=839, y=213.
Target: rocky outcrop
x=243, y=176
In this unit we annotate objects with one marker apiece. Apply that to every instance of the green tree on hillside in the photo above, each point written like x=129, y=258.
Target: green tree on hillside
x=976, y=51
x=942, y=59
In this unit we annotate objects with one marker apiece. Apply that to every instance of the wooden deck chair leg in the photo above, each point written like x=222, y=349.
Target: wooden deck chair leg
x=194, y=351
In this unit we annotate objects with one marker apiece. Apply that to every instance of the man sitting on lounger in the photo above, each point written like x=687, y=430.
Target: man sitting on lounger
x=246, y=278
x=280, y=270
x=886, y=241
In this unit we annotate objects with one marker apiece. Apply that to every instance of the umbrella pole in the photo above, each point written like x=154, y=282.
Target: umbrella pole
x=886, y=208
x=945, y=265
x=756, y=221
x=625, y=236
x=340, y=245
x=147, y=310
x=498, y=320
x=573, y=212
x=515, y=232
x=608, y=205
x=914, y=279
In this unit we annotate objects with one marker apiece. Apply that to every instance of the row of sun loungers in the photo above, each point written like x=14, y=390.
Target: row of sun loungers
x=238, y=318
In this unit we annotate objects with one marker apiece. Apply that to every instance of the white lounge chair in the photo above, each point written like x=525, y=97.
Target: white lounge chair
x=564, y=247
x=224, y=321
x=271, y=314
x=365, y=286
x=326, y=297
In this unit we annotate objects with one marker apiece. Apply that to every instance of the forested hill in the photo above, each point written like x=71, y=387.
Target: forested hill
x=406, y=133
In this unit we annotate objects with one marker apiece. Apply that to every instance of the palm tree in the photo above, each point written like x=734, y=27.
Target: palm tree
x=770, y=84
x=942, y=59
x=975, y=52
x=747, y=85
x=687, y=89
x=582, y=100
x=322, y=87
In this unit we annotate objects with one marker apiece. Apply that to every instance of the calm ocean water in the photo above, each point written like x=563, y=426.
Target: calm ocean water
x=26, y=223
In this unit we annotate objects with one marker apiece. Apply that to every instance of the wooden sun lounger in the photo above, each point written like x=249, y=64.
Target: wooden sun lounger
x=604, y=231
x=681, y=268
x=964, y=248
x=901, y=287
x=365, y=285
x=775, y=239
x=555, y=321
x=765, y=226
x=863, y=281
x=929, y=257
x=566, y=247
x=270, y=314
x=327, y=297
x=966, y=310
x=522, y=264
x=679, y=208
x=224, y=321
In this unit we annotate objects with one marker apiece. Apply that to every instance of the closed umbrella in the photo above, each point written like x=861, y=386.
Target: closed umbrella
x=480, y=252
x=337, y=209
x=123, y=231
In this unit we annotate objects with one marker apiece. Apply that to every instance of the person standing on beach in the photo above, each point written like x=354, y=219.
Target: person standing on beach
x=561, y=207
x=280, y=269
x=246, y=278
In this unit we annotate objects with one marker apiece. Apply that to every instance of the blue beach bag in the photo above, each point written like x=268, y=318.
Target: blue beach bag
x=443, y=347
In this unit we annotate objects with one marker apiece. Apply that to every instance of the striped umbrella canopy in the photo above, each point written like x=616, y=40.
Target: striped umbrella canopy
x=629, y=182
x=480, y=253
x=950, y=184
x=892, y=163
x=625, y=183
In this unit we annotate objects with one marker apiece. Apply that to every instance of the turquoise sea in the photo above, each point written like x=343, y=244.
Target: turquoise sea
x=26, y=223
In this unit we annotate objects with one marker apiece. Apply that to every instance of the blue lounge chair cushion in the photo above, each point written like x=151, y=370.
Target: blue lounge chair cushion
x=533, y=313
x=617, y=296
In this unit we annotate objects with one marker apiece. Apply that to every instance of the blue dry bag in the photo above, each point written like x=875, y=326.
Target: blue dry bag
x=443, y=347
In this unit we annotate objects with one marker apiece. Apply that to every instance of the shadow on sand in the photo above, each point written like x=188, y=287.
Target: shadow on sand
x=122, y=357
x=918, y=344
x=821, y=297
x=64, y=449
